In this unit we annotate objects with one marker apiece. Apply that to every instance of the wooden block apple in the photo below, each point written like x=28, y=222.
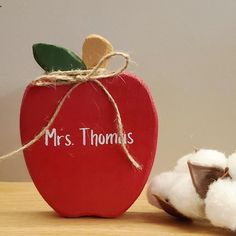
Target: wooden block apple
x=79, y=166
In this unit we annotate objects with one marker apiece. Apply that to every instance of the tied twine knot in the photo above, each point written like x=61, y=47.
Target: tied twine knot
x=78, y=77
x=82, y=76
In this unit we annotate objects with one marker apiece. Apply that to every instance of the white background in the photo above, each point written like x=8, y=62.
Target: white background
x=185, y=51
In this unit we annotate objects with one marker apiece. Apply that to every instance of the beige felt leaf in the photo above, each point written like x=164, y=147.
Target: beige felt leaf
x=94, y=48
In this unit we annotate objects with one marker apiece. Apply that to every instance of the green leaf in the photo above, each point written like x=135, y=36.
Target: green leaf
x=53, y=58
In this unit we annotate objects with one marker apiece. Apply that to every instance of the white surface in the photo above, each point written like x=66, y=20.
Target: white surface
x=185, y=51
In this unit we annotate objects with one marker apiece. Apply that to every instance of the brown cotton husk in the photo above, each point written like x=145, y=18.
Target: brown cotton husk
x=169, y=208
x=203, y=176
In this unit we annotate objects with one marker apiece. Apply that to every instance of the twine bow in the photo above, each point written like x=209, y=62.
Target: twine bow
x=78, y=77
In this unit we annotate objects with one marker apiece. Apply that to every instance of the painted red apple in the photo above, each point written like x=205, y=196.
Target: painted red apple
x=79, y=166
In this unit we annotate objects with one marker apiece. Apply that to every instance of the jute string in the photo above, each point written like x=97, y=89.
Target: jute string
x=78, y=77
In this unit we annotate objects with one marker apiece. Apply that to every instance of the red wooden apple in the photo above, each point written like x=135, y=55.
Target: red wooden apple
x=78, y=166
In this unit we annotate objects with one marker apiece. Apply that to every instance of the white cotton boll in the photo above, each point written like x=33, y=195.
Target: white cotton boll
x=160, y=186
x=182, y=164
x=151, y=198
x=221, y=203
x=232, y=165
x=209, y=158
x=185, y=199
